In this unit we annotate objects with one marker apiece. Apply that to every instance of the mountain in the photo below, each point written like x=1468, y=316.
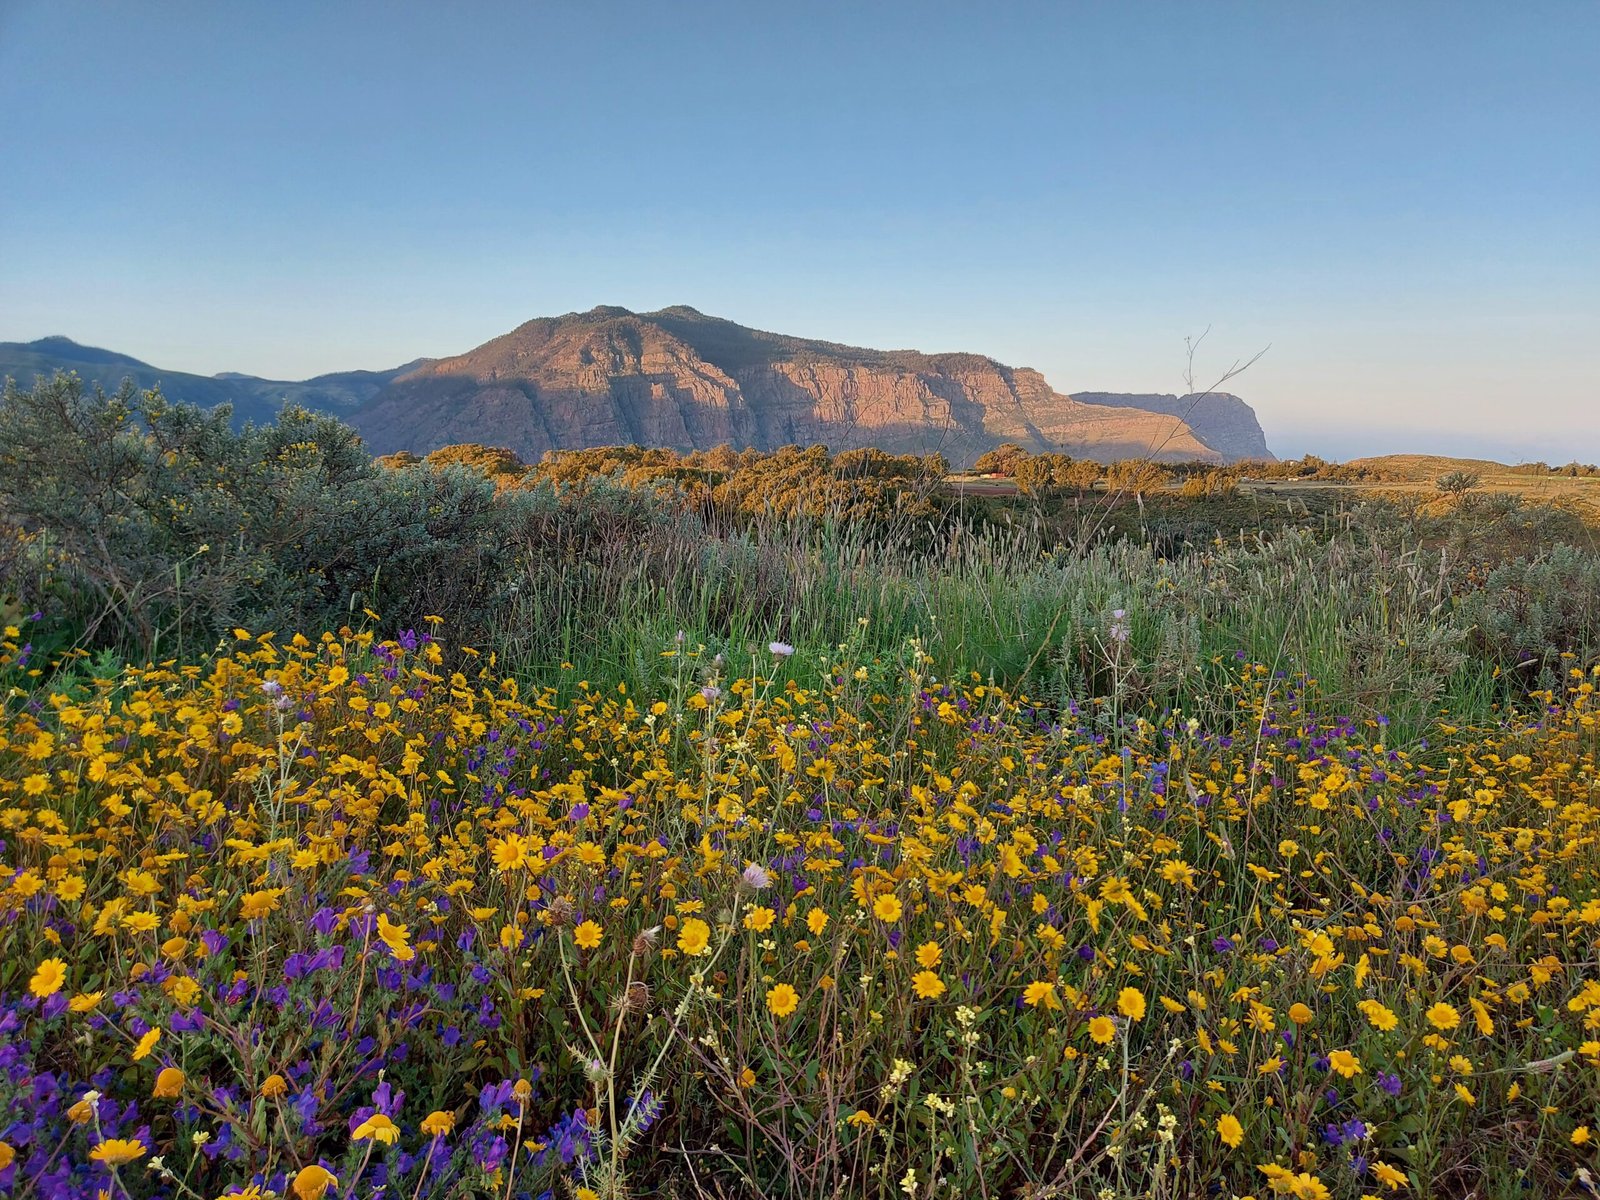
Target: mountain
x=679, y=378
x=253, y=398
x=682, y=379
x=1220, y=419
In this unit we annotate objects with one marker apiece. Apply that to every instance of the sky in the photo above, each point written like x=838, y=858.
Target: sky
x=1400, y=202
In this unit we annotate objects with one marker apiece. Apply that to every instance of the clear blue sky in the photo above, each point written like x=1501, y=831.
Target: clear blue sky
x=1402, y=198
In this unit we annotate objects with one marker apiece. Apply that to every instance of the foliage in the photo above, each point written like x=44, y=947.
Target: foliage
x=368, y=911
x=1458, y=483
x=1525, y=610
x=157, y=527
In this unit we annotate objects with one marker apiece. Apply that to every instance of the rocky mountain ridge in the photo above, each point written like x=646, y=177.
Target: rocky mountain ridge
x=681, y=379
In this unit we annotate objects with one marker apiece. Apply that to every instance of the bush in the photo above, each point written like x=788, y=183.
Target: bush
x=155, y=527
x=1528, y=612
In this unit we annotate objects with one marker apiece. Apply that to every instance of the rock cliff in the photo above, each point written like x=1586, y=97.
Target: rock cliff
x=1220, y=419
x=681, y=379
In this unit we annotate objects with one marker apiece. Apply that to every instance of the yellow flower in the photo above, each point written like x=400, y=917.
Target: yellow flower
x=587, y=935
x=783, y=1000
x=1300, y=1014
x=377, y=1127
x=7, y=1155
x=274, y=1086
x=1102, y=1030
x=169, y=1083
x=313, y=1182
x=183, y=990
x=747, y=1078
x=1230, y=1131
x=928, y=985
x=83, y=1002
x=1345, y=1063
x=113, y=1152
x=255, y=905
x=759, y=919
x=1443, y=1016
x=396, y=937
x=694, y=937
x=1481, y=1017
x=585, y=1193
x=1388, y=1176
x=1040, y=994
x=1130, y=1003
x=140, y=922
x=147, y=1043
x=887, y=907
x=929, y=954
x=438, y=1123
x=1378, y=1016
x=1580, y=1135
x=47, y=980
x=509, y=852
x=816, y=921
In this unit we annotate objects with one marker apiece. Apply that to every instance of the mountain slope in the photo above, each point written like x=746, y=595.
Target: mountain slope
x=682, y=379
x=253, y=398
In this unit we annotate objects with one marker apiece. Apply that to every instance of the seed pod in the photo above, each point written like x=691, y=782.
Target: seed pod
x=561, y=912
x=638, y=997
x=645, y=941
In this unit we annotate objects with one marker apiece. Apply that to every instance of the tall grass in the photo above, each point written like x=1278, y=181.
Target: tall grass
x=1373, y=625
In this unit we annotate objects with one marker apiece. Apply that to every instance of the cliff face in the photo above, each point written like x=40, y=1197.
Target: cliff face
x=680, y=379
x=1223, y=421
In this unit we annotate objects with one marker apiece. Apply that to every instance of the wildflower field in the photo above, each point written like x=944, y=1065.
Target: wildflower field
x=1208, y=846
x=345, y=916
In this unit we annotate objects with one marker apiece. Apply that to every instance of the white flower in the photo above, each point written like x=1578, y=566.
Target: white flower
x=756, y=877
x=781, y=649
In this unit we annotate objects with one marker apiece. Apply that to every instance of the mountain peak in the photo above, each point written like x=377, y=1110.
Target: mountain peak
x=684, y=379
x=679, y=378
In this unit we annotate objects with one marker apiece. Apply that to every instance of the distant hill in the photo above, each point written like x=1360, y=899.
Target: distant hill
x=253, y=398
x=1220, y=419
x=681, y=379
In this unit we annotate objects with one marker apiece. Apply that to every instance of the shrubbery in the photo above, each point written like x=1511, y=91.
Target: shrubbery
x=156, y=527
x=152, y=530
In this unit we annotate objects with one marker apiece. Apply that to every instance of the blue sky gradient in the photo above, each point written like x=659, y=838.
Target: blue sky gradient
x=1402, y=199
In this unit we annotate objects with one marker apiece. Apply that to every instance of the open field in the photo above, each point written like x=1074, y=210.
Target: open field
x=1403, y=476
x=634, y=827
